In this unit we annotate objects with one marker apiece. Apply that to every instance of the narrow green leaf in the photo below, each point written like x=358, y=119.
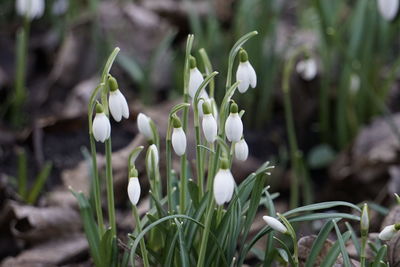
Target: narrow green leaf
x=39, y=183
x=333, y=253
x=320, y=206
x=380, y=256
x=345, y=255
x=319, y=243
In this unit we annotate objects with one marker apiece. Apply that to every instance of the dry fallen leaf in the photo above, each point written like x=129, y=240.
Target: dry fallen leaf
x=56, y=252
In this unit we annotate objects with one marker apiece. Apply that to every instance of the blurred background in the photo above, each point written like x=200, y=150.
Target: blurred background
x=336, y=128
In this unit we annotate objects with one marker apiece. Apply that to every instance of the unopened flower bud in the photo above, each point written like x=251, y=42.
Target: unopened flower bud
x=275, y=224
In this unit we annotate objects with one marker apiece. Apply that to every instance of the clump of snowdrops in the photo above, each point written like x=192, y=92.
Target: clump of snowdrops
x=204, y=215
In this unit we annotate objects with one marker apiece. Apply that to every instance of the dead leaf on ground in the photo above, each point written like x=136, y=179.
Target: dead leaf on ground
x=52, y=253
x=35, y=224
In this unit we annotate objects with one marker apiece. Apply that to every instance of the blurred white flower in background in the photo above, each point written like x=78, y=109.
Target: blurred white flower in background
x=30, y=8
x=307, y=69
x=60, y=7
x=388, y=8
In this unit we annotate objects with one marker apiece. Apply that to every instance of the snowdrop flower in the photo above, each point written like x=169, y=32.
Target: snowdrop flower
x=389, y=231
x=195, y=77
x=241, y=150
x=224, y=184
x=101, y=125
x=143, y=123
x=307, y=69
x=209, y=124
x=234, y=125
x=152, y=154
x=30, y=8
x=117, y=102
x=275, y=224
x=388, y=9
x=245, y=73
x=134, y=187
x=178, y=137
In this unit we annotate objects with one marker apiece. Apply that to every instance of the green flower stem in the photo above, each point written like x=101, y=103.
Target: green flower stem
x=169, y=168
x=110, y=188
x=210, y=176
x=363, y=256
x=232, y=54
x=20, y=76
x=185, y=116
x=295, y=154
x=97, y=189
x=209, y=69
x=199, y=152
x=142, y=244
x=206, y=232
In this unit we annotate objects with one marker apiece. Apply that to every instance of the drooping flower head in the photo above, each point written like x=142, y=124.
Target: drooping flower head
x=143, y=124
x=178, y=136
x=195, y=77
x=275, y=224
x=241, y=150
x=224, y=184
x=116, y=101
x=234, y=125
x=31, y=9
x=101, y=125
x=389, y=231
x=245, y=73
x=209, y=124
x=133, y=186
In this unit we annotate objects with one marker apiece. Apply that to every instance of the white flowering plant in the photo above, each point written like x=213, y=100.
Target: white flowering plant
x=204, y=215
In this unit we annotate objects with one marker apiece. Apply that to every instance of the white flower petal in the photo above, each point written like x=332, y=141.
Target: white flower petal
x=152, y=152
x=195, y=80
x=234, y=127
x=179, y=141
x=143, y=123
x=134, y=190
x=388, y=8
x=118, y=105
x=210, y=128
x=101, y=127
x=224, y=185
x=275, y=224
x=241, y=150
x=252, y=75
x=387, y=233
x=242, y=75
